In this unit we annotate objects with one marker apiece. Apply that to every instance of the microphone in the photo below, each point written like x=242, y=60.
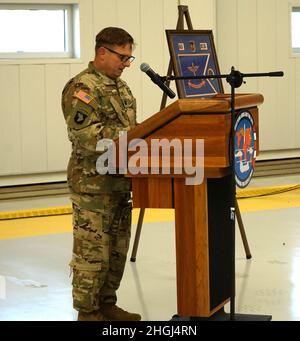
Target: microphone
x=155, y=77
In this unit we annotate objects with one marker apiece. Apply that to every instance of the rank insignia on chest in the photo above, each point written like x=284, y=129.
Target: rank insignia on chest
x=80, y=117
x=83, y=96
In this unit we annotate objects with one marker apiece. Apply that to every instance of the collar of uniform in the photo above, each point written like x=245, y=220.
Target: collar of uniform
x=106, y=80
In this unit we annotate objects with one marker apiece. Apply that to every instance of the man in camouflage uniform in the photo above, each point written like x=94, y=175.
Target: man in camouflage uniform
x=98, y=104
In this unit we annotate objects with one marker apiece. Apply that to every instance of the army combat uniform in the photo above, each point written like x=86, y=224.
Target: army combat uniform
x=97, y=107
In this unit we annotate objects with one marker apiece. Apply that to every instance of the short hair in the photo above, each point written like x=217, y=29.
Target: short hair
x=113, y=36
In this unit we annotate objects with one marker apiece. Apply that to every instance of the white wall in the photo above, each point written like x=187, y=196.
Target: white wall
x=254, y=36
x=33, y=139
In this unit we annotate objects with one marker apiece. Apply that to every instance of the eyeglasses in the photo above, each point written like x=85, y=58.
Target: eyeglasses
x=123, y=57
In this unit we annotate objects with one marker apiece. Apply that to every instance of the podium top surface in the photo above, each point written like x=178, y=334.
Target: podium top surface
x=220, y=103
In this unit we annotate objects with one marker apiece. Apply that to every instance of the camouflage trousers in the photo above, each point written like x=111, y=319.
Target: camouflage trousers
x=101, y=234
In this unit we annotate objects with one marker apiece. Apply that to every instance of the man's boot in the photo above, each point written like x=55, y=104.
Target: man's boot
x=114, y=313
x=92, y=316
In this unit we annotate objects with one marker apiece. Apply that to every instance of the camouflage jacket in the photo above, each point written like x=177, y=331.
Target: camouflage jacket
x=95, y=107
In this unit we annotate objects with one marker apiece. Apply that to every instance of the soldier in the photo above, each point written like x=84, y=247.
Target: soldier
x=98, y=104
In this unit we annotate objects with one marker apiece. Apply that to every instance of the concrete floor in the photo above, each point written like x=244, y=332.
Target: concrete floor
x=35, y=283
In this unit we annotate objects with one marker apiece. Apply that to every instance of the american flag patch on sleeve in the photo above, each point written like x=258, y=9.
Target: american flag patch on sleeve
x=83, y=96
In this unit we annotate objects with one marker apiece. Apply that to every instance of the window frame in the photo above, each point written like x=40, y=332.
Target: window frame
x=71, y=41
x=295, y=51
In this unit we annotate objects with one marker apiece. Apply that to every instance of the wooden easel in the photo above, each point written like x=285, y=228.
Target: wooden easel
x=184, y=13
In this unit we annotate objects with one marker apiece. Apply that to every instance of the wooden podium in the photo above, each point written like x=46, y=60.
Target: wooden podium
x=204, y=246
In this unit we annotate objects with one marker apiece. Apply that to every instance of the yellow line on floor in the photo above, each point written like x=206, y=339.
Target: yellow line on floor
x=30, y=227
x=39, y=226
x=61, y=222
x=274, y=202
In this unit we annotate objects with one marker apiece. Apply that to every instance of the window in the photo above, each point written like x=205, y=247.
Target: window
x=38, y=31
x=295, y=23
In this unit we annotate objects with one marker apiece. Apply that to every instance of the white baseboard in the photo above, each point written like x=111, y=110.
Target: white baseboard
x=278, y=154
x=29, y=179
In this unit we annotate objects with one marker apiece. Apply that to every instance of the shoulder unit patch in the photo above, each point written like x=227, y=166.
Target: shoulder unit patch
x=80, y=117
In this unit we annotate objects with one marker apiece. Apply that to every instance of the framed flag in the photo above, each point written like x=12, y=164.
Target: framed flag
x=193, y=54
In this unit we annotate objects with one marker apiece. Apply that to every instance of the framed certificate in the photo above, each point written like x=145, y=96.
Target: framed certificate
x=193, y=54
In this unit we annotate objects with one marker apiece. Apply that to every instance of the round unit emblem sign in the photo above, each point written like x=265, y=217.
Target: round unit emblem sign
x=244, y=148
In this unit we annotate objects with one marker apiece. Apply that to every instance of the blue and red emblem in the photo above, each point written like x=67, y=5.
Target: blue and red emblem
x=244, y=148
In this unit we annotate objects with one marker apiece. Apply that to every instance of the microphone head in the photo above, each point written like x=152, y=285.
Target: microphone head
x=144, y=67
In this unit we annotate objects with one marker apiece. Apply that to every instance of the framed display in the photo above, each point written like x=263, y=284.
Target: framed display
x=193, y=54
